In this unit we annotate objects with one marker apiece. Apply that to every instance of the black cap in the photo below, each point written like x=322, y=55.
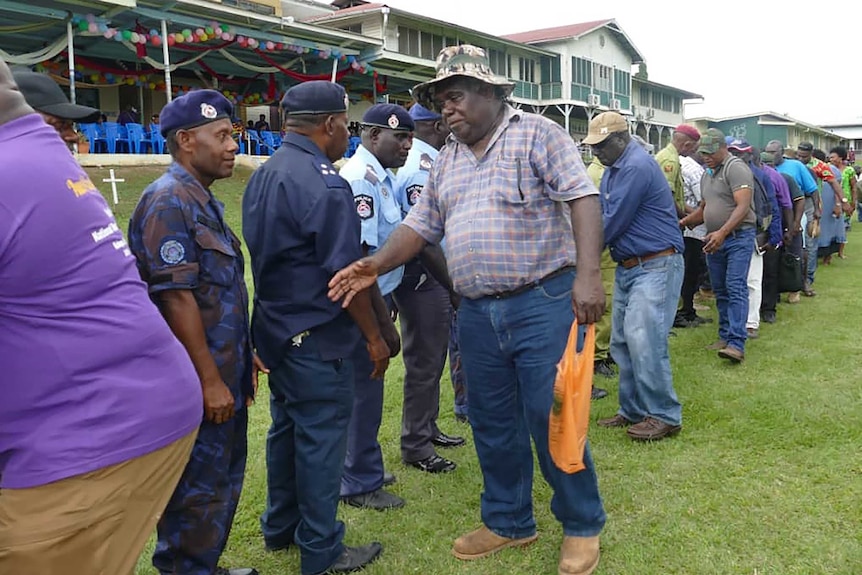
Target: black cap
x=315, y=97
x=805, y=146
x=391, y=116
x=44, y=95
x=194, y=109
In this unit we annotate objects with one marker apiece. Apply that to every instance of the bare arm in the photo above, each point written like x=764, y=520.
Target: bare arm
x=588, y=295
x=184, y=318
x=694, y=219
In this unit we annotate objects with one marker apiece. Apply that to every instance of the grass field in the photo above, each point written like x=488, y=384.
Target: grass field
x=766, y=477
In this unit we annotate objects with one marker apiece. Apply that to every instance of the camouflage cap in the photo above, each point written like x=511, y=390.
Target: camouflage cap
x=711, y=141
x=464, y=60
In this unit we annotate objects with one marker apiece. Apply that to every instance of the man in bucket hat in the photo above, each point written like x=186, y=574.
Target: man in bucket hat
x=511, y=195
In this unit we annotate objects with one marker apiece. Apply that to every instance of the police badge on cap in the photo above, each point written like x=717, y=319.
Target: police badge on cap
x=194, y=109
x=389, y=116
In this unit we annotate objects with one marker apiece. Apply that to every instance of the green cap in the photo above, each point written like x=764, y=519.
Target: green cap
x=711, y=141
x=767, y=157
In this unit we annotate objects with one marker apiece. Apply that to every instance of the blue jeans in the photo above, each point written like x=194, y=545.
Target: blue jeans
x=310, y=404
x=510, y=349
x=728, y=271
x=645, y=299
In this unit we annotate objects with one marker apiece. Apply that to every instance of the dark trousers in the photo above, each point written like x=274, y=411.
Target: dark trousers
x=363, y=465
x=695, y=267
x=424, y=309
x=771, y=261
x=194, y=528
x=310, y=404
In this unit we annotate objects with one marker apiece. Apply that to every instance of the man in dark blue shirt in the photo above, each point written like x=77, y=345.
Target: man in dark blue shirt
x=300, y=225
x=643, y=235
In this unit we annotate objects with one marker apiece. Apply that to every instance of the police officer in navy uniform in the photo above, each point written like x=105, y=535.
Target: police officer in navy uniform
x=387, y=136
x=193, y=265
x=424, y=307
x=300, y=225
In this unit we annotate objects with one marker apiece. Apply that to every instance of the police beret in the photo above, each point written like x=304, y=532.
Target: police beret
x=315, y=97
x=390, y=116
x=420, y=113
x=194, y=109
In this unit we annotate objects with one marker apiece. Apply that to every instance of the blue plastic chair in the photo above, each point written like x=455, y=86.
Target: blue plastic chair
x=254, y=142
x=269, y=142
x=115, y=138
x=157, y=139
x=98, y=143
x=139, y=140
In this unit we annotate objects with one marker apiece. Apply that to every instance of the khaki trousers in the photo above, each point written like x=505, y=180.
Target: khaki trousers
x=96, y=523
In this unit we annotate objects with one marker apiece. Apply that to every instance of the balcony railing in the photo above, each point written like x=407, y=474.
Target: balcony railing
x=526, y=90
x=552, y=91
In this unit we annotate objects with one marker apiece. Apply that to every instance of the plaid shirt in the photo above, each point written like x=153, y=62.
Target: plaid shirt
x=504, y=216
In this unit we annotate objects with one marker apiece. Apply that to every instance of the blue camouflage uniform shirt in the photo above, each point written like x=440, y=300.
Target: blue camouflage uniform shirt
x=412, y=176
x=300, y=225
x=374, y=196
x=181, y=242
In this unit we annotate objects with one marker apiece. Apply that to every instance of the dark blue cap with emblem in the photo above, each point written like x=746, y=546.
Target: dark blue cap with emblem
x=420, y=113
x=390, y=116
x=194, y=109
x=315, y=97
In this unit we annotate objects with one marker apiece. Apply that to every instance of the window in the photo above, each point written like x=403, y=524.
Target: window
x=676, y=105
x=550, y=70
x=603, y=78
x=526, y=69
x=428, y=47
x=353, y=28
x=582, y=72
x=498, y=62
x=408, y=41
x=644, y=98
x=666, y=102
x=656, y=100
x=251, y=6
x=622, y=83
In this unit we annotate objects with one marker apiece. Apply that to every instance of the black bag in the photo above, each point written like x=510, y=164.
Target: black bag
x=789, y=273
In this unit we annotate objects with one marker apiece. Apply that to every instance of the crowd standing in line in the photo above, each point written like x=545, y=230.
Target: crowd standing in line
x=155, y=435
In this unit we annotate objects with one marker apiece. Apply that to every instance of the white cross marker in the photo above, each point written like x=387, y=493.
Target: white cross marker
x=113, y=179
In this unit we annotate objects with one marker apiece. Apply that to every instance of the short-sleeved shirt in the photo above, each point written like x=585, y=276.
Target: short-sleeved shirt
x=669, y=162
x=376, y=205
x=300, y=226
x=181, y=242
x=91, y=374
x=848, y=177
x=412, y=176
x=692, y=172
x=782, y=191
x=505, y=216
x=638, y=210
x=800, y=173
x=718, y=186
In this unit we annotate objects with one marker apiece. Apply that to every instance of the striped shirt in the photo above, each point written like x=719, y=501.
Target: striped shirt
x=691, y=174
x=505, y=216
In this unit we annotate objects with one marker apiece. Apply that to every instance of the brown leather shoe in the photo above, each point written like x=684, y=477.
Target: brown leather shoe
x=615, y=421
x=579, y=555
x=651, y=429
x=720, y=344
x=731, y=353
x=483, y=542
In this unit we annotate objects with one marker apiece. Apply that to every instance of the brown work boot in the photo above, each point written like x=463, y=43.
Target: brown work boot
x=579, y=555
x=794, y=297
x=615, y=421
x=651, y=429
x=483, y=542
x=720, y=344
x=731, y=353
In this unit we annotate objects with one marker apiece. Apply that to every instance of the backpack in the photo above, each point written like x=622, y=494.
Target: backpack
x=762, y=205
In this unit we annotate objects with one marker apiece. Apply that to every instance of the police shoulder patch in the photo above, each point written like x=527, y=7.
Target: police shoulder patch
x=425, y=162
x=172, y=252
x=364, y=206
x=413, y=192
x=371, y=174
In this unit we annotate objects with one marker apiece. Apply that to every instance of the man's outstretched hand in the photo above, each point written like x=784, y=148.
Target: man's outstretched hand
x=347, y=282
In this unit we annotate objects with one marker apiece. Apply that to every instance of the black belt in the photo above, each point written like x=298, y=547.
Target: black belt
x=527, y=287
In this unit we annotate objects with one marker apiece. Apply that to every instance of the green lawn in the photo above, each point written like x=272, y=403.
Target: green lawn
x=766, y=477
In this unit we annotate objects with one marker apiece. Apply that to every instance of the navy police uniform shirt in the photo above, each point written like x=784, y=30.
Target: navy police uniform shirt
x=300, y=225
x=181, y=242
x=376, y=205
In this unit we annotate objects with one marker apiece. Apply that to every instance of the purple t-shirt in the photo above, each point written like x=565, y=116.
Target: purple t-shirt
x=90, y=373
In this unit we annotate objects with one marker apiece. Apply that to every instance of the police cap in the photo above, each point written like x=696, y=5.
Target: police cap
x=390, y=116
x=194, y=109
x=315, y=97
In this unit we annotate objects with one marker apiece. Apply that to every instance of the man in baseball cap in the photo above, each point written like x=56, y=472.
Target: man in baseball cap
x=46, y=97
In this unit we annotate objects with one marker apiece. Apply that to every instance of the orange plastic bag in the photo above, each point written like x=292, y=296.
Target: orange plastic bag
x=570, y=412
